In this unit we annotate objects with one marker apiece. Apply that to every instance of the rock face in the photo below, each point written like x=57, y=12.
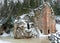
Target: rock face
x=45, y=19
x=24, y=28
x=49, y=20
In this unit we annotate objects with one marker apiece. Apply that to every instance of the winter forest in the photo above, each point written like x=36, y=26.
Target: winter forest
x=29, y=21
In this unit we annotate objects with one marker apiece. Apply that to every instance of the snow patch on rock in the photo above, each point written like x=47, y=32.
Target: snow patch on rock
x=22, y=16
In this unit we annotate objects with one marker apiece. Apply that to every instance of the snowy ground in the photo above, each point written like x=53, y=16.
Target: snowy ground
x=58, y=27
x=2, y=41
x=58, y=24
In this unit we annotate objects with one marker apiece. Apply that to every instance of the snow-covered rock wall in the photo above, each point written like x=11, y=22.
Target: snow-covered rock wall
x=22, y=22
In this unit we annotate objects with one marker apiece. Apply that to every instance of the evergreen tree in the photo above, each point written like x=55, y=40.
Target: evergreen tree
x=56, y=9
x=17, y=8
x=25, y=7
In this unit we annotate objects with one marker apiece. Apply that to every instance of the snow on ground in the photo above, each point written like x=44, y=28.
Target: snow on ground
x=2, y=41
x=58, y=27
x=57, y=17
x=5, y=34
